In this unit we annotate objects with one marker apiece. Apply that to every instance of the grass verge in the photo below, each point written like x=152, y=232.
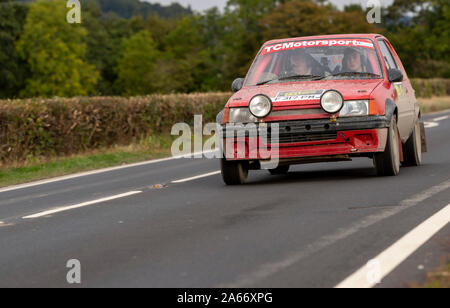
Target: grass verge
x=438, y=278
x=150, y=148
x=434, y=104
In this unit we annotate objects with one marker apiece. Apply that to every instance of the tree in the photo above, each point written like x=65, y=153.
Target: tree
x=303, y=18
x=55, y=52
x=12, y=69
x=130, y=8
x=245, y=37
x=104, y=43
x=136, y=66
x=424, y=42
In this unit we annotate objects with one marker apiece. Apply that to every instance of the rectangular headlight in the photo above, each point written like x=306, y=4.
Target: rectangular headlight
x=241, y=115
x=355, y=109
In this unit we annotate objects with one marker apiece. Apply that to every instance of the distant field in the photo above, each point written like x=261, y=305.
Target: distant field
x=434, y=104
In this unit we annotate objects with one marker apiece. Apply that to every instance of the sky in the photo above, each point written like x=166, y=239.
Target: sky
x=200, y=5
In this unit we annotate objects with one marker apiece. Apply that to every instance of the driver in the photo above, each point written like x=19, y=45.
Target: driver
x=302, y=64
x=352, y=61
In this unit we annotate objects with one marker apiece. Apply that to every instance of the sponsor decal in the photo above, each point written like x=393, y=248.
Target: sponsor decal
x=400, y=89
x=317, y=43
x=305, y=95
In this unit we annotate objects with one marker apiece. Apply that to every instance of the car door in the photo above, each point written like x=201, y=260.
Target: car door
x=411, y=93
x=404, y=105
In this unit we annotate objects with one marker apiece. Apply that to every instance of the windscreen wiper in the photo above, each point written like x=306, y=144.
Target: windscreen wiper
x=266, y=81
x=315, y=77
x=356, y=74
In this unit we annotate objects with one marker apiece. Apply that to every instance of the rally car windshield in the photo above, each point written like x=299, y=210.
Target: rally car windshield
x=298, y=61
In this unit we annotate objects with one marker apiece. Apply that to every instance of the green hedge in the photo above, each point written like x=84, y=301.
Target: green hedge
x=431, y=87
x=56, y=127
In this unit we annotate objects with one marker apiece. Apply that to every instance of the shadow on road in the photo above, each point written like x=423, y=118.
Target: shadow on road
x=264, y=178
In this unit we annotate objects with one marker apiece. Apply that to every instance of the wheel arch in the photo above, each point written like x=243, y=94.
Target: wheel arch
x=391, y=110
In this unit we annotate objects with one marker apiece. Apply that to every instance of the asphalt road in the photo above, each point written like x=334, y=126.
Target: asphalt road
x=312, y=228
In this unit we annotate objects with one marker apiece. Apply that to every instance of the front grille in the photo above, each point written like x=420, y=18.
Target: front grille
x=288, y=131
x=295, y=138
x=296, y=112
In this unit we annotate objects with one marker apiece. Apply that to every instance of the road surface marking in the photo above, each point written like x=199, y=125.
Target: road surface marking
x=266, y=270
x=431, y=124
x=196, y=177
x=441, y=118
x=3, y=224
x=76, y=206
x=99, y=171
x=400, y=251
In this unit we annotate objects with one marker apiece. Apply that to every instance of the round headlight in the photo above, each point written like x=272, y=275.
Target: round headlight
x=260, y=106
x=332, y=101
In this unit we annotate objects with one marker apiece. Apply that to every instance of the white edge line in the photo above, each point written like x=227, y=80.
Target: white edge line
x=77, y=175
x=392, y=257
x=76, y=206
x=195, y=177
x=441, y=118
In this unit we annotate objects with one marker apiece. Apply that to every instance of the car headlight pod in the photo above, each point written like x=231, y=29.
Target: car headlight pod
x=260, y=106
x=332, y=101
x=355, y=108
x=241, y=115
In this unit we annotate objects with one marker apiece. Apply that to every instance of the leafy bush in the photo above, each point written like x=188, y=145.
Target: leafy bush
x=54, y=127
x=431, y=87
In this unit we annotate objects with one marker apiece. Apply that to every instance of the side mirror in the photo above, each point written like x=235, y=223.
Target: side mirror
x=395, y=75
x=237, y=85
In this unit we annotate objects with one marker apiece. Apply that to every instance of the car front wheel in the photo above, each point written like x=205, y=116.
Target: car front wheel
x=234, y=172
x=388, y=162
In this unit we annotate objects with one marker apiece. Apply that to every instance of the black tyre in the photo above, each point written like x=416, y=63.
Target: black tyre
x=388, y=162
x=234, y=172
x=412, y=150
x=279, y=170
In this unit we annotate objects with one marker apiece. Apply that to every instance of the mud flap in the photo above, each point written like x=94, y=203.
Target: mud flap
x=424, y=137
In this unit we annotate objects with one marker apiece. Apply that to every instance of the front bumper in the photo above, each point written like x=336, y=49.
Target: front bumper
x=305, y=138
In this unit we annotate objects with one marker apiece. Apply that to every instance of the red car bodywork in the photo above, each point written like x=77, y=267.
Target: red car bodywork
x=317, y=134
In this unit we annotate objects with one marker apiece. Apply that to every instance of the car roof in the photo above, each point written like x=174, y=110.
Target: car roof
x=372, y=36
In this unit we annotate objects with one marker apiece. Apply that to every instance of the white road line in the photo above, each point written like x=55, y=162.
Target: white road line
x=266, y=270
x=76, y=206
x=398, y=252
x=431, y=124
x=441, y=118
x=196, y=177
x=77, y=175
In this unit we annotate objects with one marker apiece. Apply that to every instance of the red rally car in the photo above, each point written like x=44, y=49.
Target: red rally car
x=321, y=99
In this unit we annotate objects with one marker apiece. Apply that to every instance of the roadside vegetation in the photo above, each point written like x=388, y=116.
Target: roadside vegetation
x=439, y=278
x=43, y=128
x=434, y=104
